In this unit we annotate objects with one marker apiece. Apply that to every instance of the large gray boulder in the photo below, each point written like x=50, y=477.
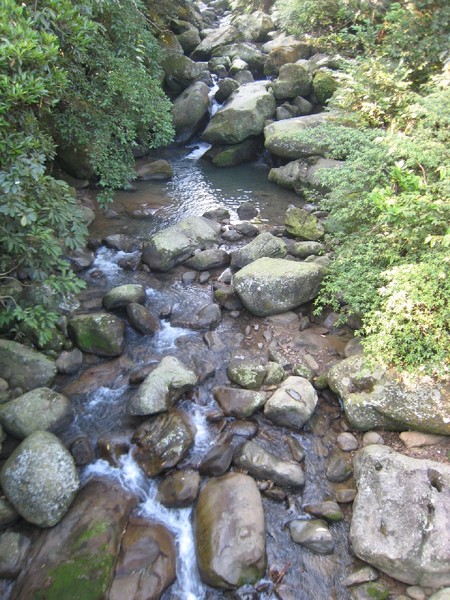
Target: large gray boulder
x=122, y=295
x=175, y=244
x=282, y=137
x=400, y=515
x=248, y=53
x=190, y=111
x=302, y=224
x=162, y=387
x=40, y=479
x=39, y=409
x=283, y=50
x=230, y=532
x=179, y=71
x=269, y=286
x=300, y=175
x=375, y=397
x=264, y=465
x=265, y=244
x=293, y=80
x=232, y=155
x=244, y=115
x=293, y=404
x=217, y=37
x=239, y=403
x=98, y=333
x=254, y=27
x=23, y=367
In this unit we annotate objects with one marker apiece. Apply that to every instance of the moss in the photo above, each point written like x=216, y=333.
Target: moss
x=324, y=86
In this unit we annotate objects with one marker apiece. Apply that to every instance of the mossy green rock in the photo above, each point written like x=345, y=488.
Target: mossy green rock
x=284, y=139
x=264, y=244
x=269, y=286
x=190, y=110
x=122, y=295
x=40, y=479
x=98, y=333
x=234, y=154
x=23, y=367
x=302, y=224
x=246, y=373
x=230, y=532
x=325, y=84
x=40, y=409
x=293, y=80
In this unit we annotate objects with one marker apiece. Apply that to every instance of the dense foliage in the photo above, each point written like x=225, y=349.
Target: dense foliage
x=390, y=203
x=79, y=74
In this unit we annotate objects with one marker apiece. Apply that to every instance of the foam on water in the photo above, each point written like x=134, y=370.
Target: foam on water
x=166, y=337
x=199, y=150
x=107, y=259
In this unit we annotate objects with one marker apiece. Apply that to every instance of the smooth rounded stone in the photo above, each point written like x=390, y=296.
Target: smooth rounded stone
x=353, y=348
x=265, y=244
x=155, y=169
x=243, y=76
x=293, y=404
x=263, y=465
x=375, y=590
x=190, y=111
x=293, y=80
x=347, y=441
x=285, y=111
x=179, y=489
x=345, y=496
x=282, y=137
x=399, y=514
x=303, y=106
x=219, y=457
x=416, y=439
x=13, y=549
x=225, y=88
x=217, y=214
x=231, y=504
x=142, y=319
x=81, y=259
x=416, y=593
x=300, y=223
x=375, y=397
x=40, y=409
x=328, y=510
x=443, y=594
x=247, y=229
x=209, y=316
x=244, y=115
x=146, y=563
x=372, y=437
x=239, y=403
x=77, y=557
x=113, y=446
x=40, y=479
x=247, y=211
x=305, y=249
x=270, y=286
x=362, y=575
x=189, y=39
x=275, y=374
x=175, y=244
x=82, y=451
x=246, y=373
x=188, y=277
x=313, y=534
x=24, y=367
x=98, y=333
x=180, y=71
x=231, y=236
x=163, y=441
x=122, y=295
x=338, y=469
x=8, y=514
x=162, y=387
x=69, y=362
x=245, y=429
x=204, y=277
x=213, y=258
x=122, y=242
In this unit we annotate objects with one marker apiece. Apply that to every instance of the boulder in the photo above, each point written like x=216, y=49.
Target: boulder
x=179, y=489
x=313, y=534
x=293, y=404
x=305, y=249
x=70, y=361
x=39, y=409
x=233, y=155
x=283, y=139
x=122, y=242
x=77, y=557
x=98, y=333
x=269, y=286
x=162, y=387
x=189, y=39
x=190, y=111
x=243, y=116
x=154, y=170
x=239, y=403
x=122, y=295
x=378, y=398
x=325, y=83
x=283, y=50
x=255, y=27
x=302, y=224
x=247, y=373
x=25, y=368
x=399, y=515
x=230, y=505
x=263, y=465
x=142, y=319
x=218, y=458
x=293, y=80
x=300, y=175
x=208, y=317
x=225, y=88
x=217, y=37
x=146, y=563
x=179, y=72
x=247, y=53
x=208, y=259
x=175, y=244
x=40, y=479
x=163, y=441
x=13, y=550
x=265, y=244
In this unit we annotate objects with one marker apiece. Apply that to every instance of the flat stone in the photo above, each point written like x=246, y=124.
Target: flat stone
x=239, y=403
x=313, y=534
x=346, y=495
x=417, y=439
x=363, y=575
x=328, y=510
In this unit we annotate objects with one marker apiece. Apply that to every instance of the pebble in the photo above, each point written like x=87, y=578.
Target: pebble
x=297, y=452
x=268, y=336
x=339, y=470
x=416, y=593
x=347, y=442
x=372, y=437
x=311, y=362
x=204, y=276
x=362, y=575
x=345, y=496
x=248, y=330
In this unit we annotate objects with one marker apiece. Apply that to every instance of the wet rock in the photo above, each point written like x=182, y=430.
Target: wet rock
x=246, y=373
x=209, y=316
x=372, y=437
x=13, y=549
x=122, y=242
x=82, y=451
x=23, y=367
x=328, y=510
x=338, y=469
x=179, y=489
x=264, y=244
x=40, y=409
x=69, y=362
x=293, y=404
x=163, y=441
x=98, y=333
x=347, y=441
x=77, y=557
x=363, y=575
x=264, y=465
x=81, y=259
x=146, y=563
x=247, y=229
x=313, y=534
x=142, y=319
x=239, y=403
x=247, y=211
x=188, y=277
x=234, y=154
x=231, y=235
x=219, y=457
x=113, y=446
x=208, y=259
x=217, y=214
x=121, y=296
x=226, y=87
x=399, y=514
x=230, y=504
x=297, y=451
x=346, y=495
x=302, y=224
x=8, y=514
x=376, y=590
x=215, y=38
x=245, y=429
x=190, y=111
x=375, y=397
x=273, y=285
x=204, y=277
x=293, y=80
x=154, y=169
x=162, y=387
x=283, y=139
x=40, y=479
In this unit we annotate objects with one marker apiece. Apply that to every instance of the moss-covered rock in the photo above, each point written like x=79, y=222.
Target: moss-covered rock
x=23, y=367
x=122, y=295
x=283, y=138
x=234, y=154
x=98, y=333
x=293, y=80
x=246, y=373
x=324, y=85
x=302, y=224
